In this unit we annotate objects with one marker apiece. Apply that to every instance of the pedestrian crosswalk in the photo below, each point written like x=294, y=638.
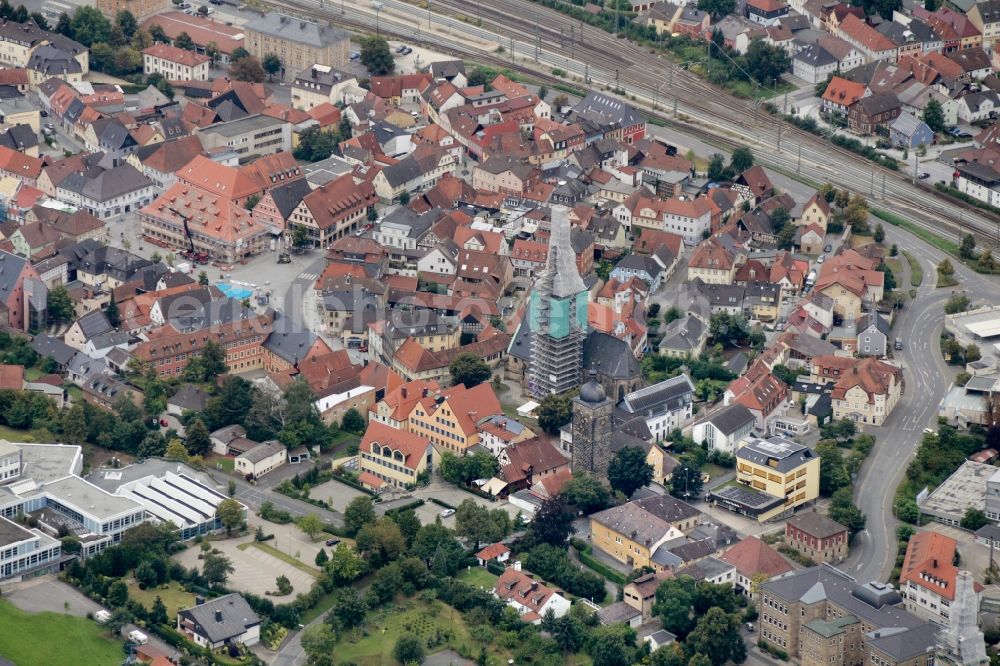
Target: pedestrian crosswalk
x=308, y=276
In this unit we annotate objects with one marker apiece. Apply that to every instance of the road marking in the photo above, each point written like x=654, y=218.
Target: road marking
x=307, y=276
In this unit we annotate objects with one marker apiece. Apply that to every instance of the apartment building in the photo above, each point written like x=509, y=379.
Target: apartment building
x=394, y=457
x=821, y=616
x=819, y=538
x=449, y=419
x=633, y=532
x=322, y=84
x=334, y=210
x=297, y=42
x=174, y=63
x=778, y=475
x=252, y=136
x=929, y=577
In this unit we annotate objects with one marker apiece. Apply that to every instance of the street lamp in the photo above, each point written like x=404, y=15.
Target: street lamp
x=377, y=6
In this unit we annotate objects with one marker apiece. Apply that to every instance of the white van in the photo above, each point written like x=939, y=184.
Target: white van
x=102, y=616
x=138, y=637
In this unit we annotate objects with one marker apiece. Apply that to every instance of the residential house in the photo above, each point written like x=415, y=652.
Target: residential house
x=817, y=537
x=334, y=210
x=766, y=12
x=261, y=459
x=22, y=294
x=322, y=84
x=532, y=600
x=873, y=335
x=986, y=17
x=448, y=420
x=713, y=262
x=665, y=406
x=395, y=457
x=909, y=132
x=201, y=29
x=928, y=578
x=724, y=428
x=841, y=94
x=684, y=337
x=174, y=63
x=873, y=114
x=418, y=171
x=220, y=622
x=873, y=44
x=852, y=281
x=633, y=532
x=756, y=562
x=978, y=106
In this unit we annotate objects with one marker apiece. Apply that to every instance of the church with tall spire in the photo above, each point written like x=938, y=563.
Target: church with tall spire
x=558, y=316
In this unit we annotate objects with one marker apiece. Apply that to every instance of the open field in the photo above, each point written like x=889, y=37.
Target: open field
x=71, y=640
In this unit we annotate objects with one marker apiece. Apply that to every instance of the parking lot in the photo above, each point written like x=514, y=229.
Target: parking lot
x=337, y=494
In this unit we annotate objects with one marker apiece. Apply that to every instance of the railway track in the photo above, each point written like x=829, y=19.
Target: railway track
x=928, y=209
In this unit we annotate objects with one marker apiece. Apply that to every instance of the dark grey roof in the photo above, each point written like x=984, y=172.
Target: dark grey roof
x=881, y=103
x=684, y=333
x=447, y=69
x=98, y=259
x=610, y=356
x=11, y=267
x=730, y=419
x=263, y=451
x=407, y=217
x=109, y=339
x=694, y=550
x=99, y=184
x=19, y=138
x=237, y=617
x=722, y=295
x=979, y=171
x=815, y=55
x=904, y=644
x=189, y=397
x=289, y=195
x=290, y=346
x=975, y=100
x=876, y=320
x=989, y=531
x=606, y=109
x=93, y=324
x=297, y=30
x=113, y=135
x=775, y=452
x=26, y=33
x=640, y=262
x=53, y=61
x=738, y=363
x=817, y=584
x=617, y=612
x=816, y=524
x=47, y=345
x=709, y=567
x=386, y=131
x=668, y=508
x=669, y=395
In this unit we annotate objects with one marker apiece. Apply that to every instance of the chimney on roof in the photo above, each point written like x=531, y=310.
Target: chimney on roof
x=218, y=616
x=403, y=391
x=517, y=565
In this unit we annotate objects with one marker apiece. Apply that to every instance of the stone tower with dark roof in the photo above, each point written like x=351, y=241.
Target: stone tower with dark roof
x=592, y=423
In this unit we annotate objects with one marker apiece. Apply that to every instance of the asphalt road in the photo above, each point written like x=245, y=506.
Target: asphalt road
x=927, y=378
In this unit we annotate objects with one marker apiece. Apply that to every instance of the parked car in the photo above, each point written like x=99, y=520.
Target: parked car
x=43, y=113
x=924, y=175
x=355, y=55
x=899, y=343
x=821, y=259
x=407, y=50
x=401, y=49
x=332, y=542
x=828, y=248
x=447, y=512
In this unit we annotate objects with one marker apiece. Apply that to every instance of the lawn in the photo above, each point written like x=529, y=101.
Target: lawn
x=478, y=577
x=68, y=640
x=174, y=597
x=410, y=617
x=221, y=462
x=284, y=557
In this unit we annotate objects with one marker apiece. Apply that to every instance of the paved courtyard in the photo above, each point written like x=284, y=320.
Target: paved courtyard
x=48, y=594
x=337, y=494
x=256, y=570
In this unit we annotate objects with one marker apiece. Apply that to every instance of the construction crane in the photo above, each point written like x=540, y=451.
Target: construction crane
x=187, y=230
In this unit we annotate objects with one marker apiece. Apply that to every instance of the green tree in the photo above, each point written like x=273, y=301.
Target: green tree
x=310, y=524
x=120, y=617
x=973, y=519
x=586, y=493
x=64, y=26
x=74, y=424
x=686, y=481
x=945, y=268
x=359, y=512
x=345, y=565
x=469, y=369
x=117, y=594
x=741, y=160
x=125, y=20
x=353, y=421
x=475, y=522
x=717, y=8
x=59, y=306
x=247, y=69
x=272, y=65
x=212, y=51
x=843, y=510
x=552, y=523
x=612, y=645
x=158, y=613
x=315, y=144
x=779, y=218
x=213, y=361
x=628, y=470
x=907, y=510
x=230, y=514
x=89, y=26
x=216, y=568
x=554, y=411
x=833, y=474
x=408, y=650
x=673, y=605
x=176, y=451
x=717, y=168
x=321, y=558
x=146, y=575
x=717, y=635
x=376, y=56
x=766, y=63
x=381, y=542
x=408, y=524
x=283, y=585
x=933, y=115
x=967, y=250
x=112, y=313
x=880, y=234
x=203, y=278
x=956, y=303
x=184, y=41
x=199, y=442
x=239, y=53
x=319, y=642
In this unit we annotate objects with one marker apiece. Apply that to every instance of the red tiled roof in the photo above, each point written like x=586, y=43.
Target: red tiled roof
x=752, y=556
x=410, y=445
x=492, y=550
x=176, y=55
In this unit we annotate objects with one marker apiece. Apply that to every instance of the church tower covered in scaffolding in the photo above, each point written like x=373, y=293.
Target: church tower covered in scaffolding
x=558, y=312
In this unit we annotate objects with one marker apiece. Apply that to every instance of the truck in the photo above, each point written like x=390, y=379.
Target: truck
x=183, y=267
x=138, y=637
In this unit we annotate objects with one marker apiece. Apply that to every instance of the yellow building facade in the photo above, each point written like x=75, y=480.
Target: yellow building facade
x=780, y=468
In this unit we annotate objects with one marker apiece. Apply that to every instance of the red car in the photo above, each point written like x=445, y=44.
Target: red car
x=163, y=423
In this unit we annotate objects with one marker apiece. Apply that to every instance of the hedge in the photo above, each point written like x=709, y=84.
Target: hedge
x=412, y=505
x=353, y=484
x=442, y=503
x=600, y=567
x=495, y=568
